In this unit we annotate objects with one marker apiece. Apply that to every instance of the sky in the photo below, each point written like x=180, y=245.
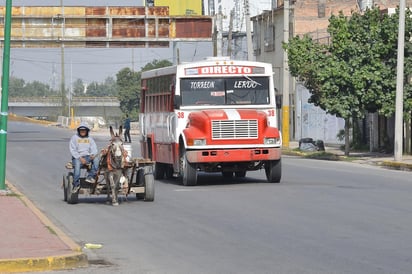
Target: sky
x=96, y=64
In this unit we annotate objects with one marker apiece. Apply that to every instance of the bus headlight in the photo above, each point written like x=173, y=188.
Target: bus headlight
x=272, y=141
x=196, y=142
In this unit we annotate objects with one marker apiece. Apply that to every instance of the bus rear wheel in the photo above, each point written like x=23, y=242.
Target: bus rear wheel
x=189, y=173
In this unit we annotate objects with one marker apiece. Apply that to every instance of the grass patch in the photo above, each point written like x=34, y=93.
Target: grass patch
x=16, y=118
x=318, y=155
x=322, y=155
x=348, y=158
x=293, y=152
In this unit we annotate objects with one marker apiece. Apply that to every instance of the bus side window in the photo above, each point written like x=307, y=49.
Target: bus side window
x=177, y=101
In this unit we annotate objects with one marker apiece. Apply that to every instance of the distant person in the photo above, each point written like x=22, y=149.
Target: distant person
x=84, y=151
x=126, y=127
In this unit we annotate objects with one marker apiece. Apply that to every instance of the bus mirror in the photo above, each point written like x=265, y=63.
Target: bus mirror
x=177, y=101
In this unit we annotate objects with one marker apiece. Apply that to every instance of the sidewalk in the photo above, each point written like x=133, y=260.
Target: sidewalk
x=370, y=158
x=31, y=242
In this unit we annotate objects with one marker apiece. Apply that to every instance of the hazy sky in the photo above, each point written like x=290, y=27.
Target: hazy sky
x=97, y=64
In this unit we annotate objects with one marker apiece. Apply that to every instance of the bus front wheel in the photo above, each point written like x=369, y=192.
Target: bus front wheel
x=188, y=170
x=273, y=170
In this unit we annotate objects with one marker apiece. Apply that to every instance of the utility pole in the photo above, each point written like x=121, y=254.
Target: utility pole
x=229, y=36
x=5, y=95
x=248, y=32
x=62, y=80
x=285, y=100
x=219, y=39
x=399, y=85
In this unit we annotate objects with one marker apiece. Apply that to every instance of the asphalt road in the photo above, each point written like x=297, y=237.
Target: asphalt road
x=324, y=217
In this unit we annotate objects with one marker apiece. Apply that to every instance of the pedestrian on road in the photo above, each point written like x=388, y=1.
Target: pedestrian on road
x=84, y=152
x=126, y=127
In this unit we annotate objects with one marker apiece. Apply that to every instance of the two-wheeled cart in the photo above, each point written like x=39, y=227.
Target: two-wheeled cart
x=137, y=179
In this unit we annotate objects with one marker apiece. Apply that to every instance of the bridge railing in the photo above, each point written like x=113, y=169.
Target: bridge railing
x=58, y=99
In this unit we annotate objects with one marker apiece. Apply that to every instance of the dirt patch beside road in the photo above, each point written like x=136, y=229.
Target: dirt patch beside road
x=16, y=118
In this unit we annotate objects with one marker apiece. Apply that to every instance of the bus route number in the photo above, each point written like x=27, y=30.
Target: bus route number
x=180, y=115
x=271, y=112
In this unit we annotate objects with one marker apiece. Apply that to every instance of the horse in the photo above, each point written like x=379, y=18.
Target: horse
x=112, y=163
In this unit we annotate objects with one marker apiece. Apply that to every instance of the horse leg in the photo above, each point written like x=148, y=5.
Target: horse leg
x=114, y=190
x=107, y=180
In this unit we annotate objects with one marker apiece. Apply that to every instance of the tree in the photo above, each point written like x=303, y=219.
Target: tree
x=19, y=88
x=156, y=64
x=37, y=88
x=356, y=72
x=16, y=87
x=128, y=84
x=95, y=89
x=79, y=88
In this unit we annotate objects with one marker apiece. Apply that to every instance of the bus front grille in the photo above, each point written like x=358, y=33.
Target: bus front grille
x=234, y=129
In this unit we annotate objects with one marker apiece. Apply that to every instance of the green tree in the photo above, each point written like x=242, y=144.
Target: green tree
x=16, y=87
x=128, y=83
x=110, y=87
x=356, y=72
x=37, y=88
x=156, y=64
x=95, y=89
x=19, y=88
x=78, y=88
x=128, y=86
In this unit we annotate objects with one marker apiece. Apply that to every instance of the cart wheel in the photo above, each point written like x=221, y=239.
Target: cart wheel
x=140, y=182
x=72, y=198
x=149, y=187
x=65, y=188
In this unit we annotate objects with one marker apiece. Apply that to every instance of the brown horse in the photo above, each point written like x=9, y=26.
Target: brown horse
x=112, y=163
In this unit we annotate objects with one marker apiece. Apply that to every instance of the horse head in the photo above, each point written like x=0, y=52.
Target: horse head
x=116, y=150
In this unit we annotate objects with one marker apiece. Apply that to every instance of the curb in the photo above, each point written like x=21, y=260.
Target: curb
x=389, y=164
x=74, y=260
x=397, y=165
x=44, y=263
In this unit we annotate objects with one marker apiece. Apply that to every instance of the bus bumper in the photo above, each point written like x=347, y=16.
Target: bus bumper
x=233, y=155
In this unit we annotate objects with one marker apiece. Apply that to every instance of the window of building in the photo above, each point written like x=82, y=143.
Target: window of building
x=321, y=9
x=269, y=41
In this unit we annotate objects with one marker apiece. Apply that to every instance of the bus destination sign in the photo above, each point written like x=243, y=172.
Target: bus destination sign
x=224, y=69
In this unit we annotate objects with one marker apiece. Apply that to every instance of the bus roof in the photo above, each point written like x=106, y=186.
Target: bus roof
x=210, y=61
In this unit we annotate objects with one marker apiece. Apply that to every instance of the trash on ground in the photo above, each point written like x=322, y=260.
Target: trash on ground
x=93, y=246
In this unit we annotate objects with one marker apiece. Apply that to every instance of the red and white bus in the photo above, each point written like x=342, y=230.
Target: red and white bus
x=217, y=115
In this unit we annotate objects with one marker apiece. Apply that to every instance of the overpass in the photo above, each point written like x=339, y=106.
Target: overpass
x=51, y=107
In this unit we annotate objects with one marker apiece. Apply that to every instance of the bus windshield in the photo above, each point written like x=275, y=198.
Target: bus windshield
x=242, y=90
